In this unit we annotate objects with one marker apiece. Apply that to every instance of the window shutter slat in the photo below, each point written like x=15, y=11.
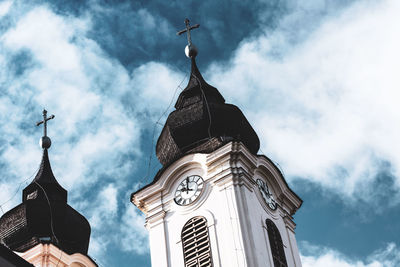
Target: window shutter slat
x=196, y=243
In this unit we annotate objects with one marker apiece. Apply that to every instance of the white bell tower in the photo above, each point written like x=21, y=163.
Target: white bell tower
x=216, y=202
x=232, y=205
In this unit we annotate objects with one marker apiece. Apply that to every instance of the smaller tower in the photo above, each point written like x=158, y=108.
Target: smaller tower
x=44, y=229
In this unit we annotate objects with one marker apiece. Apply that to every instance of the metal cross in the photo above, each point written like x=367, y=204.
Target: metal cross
x=44, y=121
x=188, y=29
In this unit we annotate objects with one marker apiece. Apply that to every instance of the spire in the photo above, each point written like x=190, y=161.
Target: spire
x=45, y=174
x=45, y=179
x=198, y=89
x=202, y=121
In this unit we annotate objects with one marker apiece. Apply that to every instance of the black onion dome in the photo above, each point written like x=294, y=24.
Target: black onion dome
x=45, y=217
x=202, y=122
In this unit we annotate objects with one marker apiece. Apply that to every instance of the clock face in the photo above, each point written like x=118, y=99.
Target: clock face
x=266, y=194
x=188, y=190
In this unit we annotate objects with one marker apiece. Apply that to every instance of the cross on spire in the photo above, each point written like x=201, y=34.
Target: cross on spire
x=44, y=121
x=188, y=29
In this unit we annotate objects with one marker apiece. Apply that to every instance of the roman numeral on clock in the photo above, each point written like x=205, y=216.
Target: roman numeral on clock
x=188, y=190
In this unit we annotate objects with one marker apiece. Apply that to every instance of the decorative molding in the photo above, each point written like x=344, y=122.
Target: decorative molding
x=48, y=255
x=155, y=219
x=290, y=224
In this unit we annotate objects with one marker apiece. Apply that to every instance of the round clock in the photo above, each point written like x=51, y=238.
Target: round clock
x=188, y=190
x=266, y=194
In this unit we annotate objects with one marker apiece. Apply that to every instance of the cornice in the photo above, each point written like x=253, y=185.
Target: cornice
x=290, y=224
x=230, y=165
x=52, y=255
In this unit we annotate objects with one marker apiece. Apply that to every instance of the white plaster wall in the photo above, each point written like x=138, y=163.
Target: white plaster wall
x=216, y=207
x=234, y=210
x=158, y=249
x=259, y=212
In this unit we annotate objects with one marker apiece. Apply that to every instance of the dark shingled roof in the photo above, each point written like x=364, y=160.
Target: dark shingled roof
x=9, y=258
x=45, y=217
x=202, y=122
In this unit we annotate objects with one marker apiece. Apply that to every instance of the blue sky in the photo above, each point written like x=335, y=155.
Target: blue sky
x=318, y=80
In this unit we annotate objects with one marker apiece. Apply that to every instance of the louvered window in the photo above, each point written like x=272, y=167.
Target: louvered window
x=275, y=240
x=196, y=243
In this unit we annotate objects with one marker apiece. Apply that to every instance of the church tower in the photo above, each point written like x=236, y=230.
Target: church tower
x=44, y=230
x=216, y=202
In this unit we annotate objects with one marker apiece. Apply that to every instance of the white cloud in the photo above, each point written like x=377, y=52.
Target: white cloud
x=326, y=257
x=73, y=78
x=101, y=210
x=8, y=199
x=130, y=235
x=48, y=37
x=106, y=207
x=325, y=108
x=156, y=85
x=133, y=233
x=388, y=256
x=5, y=7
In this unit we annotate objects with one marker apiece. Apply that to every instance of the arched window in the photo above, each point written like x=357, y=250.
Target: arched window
x=196, y=243
x=275, y=241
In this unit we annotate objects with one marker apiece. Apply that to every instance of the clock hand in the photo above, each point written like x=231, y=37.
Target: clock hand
x=187, y=184
x=185, y=187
